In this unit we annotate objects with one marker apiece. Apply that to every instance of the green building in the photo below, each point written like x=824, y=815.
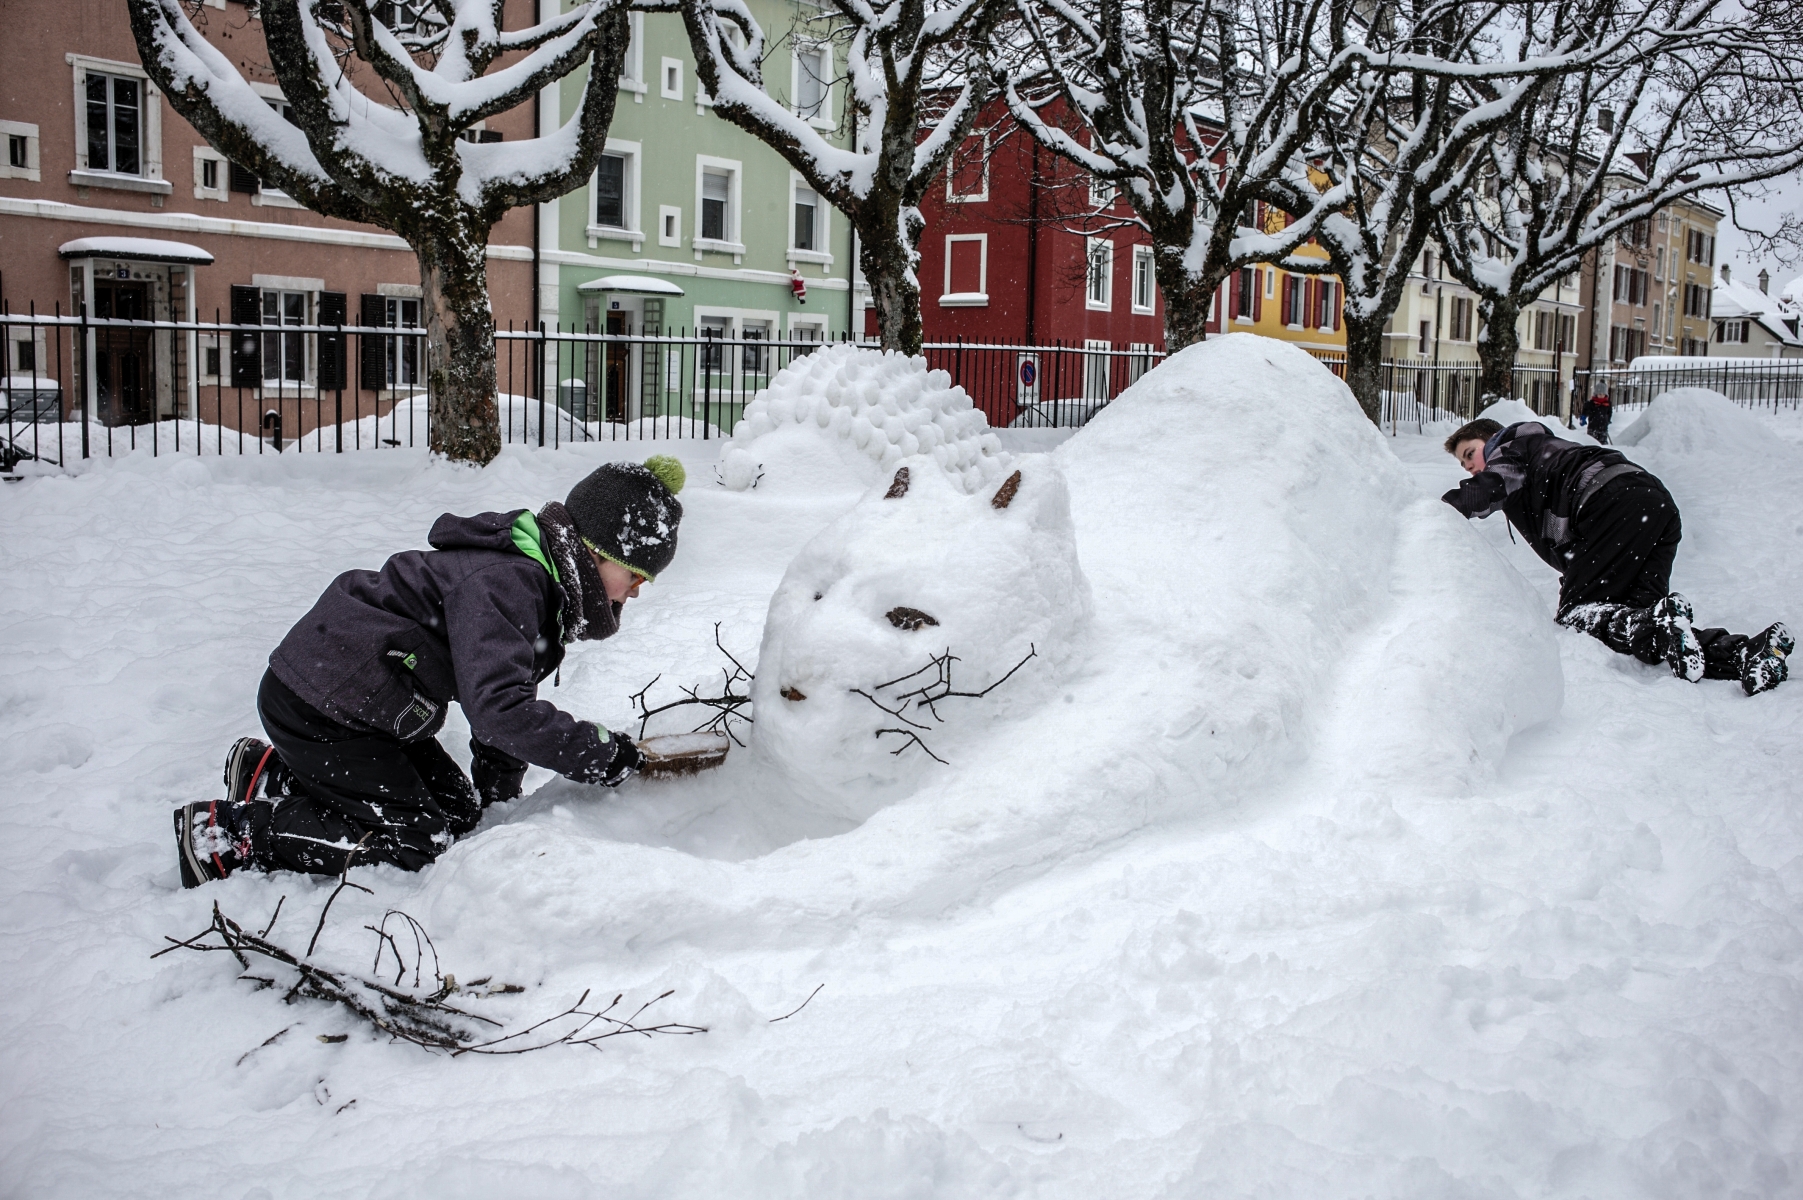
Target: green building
x=692, y=227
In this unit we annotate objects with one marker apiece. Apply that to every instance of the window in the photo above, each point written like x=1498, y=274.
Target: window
x=21, y=151
x=1427, y=271
x=1461, y=319
x=717, y=202
x=209, y=359
x=1630, y=285
x=813, y=74
x=1659, y=263
x=754, y=359
x=1101, y=192
x=610, y=191
x=1295, y=303
x=402, y=365
x=211, y=175
x=1658, y=324
x=1145, y=280
x=1245, y=294
x=284, y=354
x=1732, y=332
x=716, y=191
x=632, y=67
x=1699, y=247
x=807, y=211
x=712, y=330
x=115, y=114
x=1696, y=300
x=670, y=81
x=1139, y=359
x=1099, y=293
x=1096, y=360
x=968, y=178
x=1326, y=314
x=966, y=270
x=1427, y=338
x=669, y=225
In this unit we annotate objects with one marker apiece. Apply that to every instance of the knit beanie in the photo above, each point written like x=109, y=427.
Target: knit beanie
x=628, y=513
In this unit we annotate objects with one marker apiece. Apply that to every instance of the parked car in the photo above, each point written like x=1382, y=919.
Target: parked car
x=1056, y=414
x=25, y=400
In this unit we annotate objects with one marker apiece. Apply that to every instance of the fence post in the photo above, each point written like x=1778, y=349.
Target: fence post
x=541, y=385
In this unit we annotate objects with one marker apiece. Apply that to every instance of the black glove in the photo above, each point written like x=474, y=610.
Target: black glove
x=627, y=759
x=497, y=776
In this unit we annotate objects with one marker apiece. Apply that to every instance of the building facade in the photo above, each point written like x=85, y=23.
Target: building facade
x=1751, y=323
x=111, y=203
x=1647, y=292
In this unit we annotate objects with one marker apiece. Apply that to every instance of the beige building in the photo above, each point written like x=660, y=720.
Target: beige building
x=1647, y=293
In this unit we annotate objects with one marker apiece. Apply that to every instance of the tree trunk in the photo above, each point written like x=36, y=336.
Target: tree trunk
x=460, y=331
x=1496, y=350
x=1365, y=363
x=888, y=266
x=1187, y=296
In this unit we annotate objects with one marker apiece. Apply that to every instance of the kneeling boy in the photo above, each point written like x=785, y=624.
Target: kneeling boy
x=1611, y=530
x=357, y=691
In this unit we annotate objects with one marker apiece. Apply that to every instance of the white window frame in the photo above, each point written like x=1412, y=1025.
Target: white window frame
x=223, y=178
x=735, y=190
x=951, y=174
x=810, y=322
x=663, y=78
x=266, y=196
x=632, y=68
x=823, y=225
x=1270, y=274
x=731, y=353
x=822, y=53
x=1098, y=367
x=31, y=170
x=978, y=298
x=1090, y=248
x=1142, y=258
x=150, y=179
x=634, y=230
x=280, y=285
x=1102, y=193
x=669, y=225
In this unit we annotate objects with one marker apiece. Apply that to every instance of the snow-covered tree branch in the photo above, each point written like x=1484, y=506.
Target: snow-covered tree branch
x=409, y=168
x=916, y=79
x=1707, y=104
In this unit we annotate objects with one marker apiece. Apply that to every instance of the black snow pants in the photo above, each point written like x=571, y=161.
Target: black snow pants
x=1621, y=566
x=335, y=784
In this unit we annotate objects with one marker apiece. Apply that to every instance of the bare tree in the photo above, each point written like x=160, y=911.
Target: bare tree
x=1707, y=102
x=914, y=88
x=377, y=135
x=1190, y=108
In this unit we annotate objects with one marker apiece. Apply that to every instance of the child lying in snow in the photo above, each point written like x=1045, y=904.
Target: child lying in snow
x=1611, y=531
x=356, y=692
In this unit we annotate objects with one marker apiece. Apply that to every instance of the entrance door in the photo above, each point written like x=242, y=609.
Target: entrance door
x=614, y=376
x=122, y=356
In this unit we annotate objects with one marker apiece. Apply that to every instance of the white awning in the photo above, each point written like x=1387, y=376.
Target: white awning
x=139, y=249
x=632, y=285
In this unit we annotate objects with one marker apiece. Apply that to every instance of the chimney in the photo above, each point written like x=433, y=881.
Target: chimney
x=1765, y=281
x=1724, y=272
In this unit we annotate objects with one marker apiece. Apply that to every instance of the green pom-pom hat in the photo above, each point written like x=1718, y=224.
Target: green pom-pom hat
x=628, y=513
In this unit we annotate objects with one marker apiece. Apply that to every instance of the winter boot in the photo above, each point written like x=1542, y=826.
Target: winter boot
x=213, y=839
x=246, y=767
x=1674, y=640
x=1763, y=665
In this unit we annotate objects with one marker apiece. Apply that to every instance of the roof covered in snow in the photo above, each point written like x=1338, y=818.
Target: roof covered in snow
x=142, y=249
x=1733, y=300
x=638, y=285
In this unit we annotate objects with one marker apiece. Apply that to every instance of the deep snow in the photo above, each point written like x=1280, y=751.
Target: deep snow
x=1298, y=878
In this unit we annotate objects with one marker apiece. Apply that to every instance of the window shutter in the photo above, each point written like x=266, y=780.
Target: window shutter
x=243, y=179
x=1311, y=304
x=247, y=357
x=332, y=311
x=1258, y=296
x=372, y=370
x=1333, y=304
x=1238, y=289
x=1289, y=300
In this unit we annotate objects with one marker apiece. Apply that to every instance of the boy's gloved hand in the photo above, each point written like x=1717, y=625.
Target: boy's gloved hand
x=497, y=776
x=627, y=759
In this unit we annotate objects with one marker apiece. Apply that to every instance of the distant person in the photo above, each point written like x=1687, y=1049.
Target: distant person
x=356, y=693
x=1596, y=417
x=1611, y=531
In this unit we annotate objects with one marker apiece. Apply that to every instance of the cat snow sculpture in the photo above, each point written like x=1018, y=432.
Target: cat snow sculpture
x=905, y=631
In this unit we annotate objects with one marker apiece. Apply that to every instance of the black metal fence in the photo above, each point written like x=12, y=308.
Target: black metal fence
x=84, y=386
x=78, y=387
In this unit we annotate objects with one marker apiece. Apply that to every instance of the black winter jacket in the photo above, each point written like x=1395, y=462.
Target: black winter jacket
x=1541, y=483
x=473, y=620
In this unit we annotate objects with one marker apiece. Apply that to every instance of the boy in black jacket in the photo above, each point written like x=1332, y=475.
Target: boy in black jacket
x=1611, y=530
x=357, y=691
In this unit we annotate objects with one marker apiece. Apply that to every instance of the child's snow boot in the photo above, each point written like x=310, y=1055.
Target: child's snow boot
x=1674, y=640
x=246, y=766
x=213, y=839
x=1763, y=665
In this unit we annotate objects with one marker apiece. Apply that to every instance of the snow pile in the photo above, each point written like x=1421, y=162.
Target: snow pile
x=843, y=417
x=1509, y=412
x=894, y=583
x=1697, y=421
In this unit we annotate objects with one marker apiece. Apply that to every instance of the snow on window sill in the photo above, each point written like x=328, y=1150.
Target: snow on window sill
x=613, y=233
x=637, y=87
x=718, y=246
x=964, y=300
x=1144, y=312
x=274, y=198
x=1097, y=306
x=823, y=257
x=124, y=183
x=968, y=197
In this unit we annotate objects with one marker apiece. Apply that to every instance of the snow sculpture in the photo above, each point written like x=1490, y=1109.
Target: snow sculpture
x=918, y=568
x=846, y=417
x=1697, y=421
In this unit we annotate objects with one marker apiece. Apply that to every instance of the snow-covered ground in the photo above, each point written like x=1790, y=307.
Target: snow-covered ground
x=1320, y=864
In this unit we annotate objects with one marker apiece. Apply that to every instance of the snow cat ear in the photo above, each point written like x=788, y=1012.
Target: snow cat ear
x=1004, y=495
x=899, y=488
